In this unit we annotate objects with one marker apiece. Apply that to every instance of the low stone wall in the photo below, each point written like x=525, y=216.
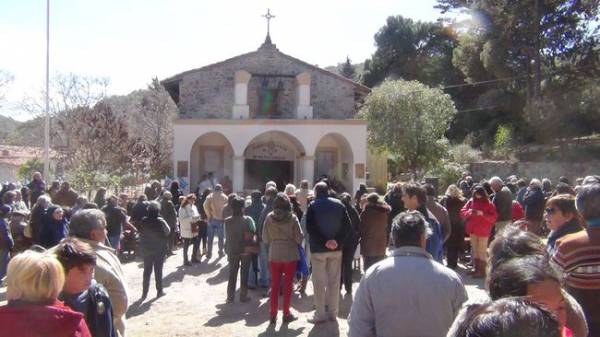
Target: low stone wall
x=546, y=169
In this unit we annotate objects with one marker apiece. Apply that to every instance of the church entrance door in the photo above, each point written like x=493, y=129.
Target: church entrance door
x=259, y=172
x=272, y=155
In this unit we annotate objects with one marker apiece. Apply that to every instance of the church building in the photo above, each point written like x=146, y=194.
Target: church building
x=265, y=115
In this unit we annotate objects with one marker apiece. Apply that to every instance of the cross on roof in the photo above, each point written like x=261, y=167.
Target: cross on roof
x=268, y=16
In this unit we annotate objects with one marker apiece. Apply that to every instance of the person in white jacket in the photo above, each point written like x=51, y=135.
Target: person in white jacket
x=188, y=217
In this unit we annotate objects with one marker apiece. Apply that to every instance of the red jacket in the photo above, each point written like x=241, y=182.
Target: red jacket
x=32, y=320
x=517, y=211
x=479, y=225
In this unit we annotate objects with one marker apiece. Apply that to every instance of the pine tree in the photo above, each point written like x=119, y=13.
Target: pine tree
x=347, y=69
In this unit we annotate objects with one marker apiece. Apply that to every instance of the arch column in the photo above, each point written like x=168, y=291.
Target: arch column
x=308, y=169
x=238, y=173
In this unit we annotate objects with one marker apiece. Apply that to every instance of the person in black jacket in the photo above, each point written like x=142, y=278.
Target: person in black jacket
x=394, y=199
x=139, y=209
x=328, y=224
x=349, y=246
x=534, y=202
x=175, y=193
x=169, y=213
x=154, y=242
x=81, y=292
x=254, y=211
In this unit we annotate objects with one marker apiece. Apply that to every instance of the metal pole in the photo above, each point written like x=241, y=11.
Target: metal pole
x=47, y=121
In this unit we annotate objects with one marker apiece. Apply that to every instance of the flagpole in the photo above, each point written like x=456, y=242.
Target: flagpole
x=47, y=119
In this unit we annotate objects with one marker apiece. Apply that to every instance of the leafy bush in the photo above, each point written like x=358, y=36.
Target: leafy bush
x=26, y=170
x=464, y=154
x=503, y=141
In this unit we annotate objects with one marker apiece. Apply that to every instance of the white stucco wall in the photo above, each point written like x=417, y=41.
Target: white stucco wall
x=241, y=132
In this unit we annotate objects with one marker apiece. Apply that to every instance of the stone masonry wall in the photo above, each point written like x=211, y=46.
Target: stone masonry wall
x=209, y=92
x=551, y=170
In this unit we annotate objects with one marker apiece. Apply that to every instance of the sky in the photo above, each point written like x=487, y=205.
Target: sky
x=131, y=41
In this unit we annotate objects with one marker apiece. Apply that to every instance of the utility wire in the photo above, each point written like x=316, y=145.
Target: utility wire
x=504, y=79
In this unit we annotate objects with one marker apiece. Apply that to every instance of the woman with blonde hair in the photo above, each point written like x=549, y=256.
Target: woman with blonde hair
x=34, y=282
x=453, y=201
x=290, y=190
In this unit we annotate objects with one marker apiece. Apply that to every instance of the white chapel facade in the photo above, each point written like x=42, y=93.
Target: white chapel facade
x=266, y=116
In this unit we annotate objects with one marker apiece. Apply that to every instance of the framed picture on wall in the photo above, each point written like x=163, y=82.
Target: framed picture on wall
x=182, y=168
x=360, y=171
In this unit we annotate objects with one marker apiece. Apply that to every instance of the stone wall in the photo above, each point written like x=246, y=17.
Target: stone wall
x=209, y=91
x=547, y=169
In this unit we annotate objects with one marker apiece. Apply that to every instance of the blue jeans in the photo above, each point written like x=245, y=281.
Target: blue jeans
x=114, y=241
x=263, y=263
x=215, y=227
x=4, y=258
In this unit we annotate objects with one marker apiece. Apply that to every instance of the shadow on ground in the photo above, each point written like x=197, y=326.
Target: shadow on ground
x=139, y=307
x=234, y=312
x=196, y=269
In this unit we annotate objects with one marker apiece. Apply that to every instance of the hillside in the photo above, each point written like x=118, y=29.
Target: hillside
x=7, y=126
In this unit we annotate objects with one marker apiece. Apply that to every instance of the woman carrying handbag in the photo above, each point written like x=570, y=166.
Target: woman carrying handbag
x=189, y=219
x=283, y=234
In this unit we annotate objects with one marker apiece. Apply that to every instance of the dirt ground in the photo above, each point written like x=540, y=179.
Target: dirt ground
x=195, y=305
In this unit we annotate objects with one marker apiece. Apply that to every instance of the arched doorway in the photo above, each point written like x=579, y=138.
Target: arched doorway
x=334, y=159
x=211, y=152
x=273, y=155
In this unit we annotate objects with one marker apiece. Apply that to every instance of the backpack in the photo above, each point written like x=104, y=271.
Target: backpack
x=99, y=317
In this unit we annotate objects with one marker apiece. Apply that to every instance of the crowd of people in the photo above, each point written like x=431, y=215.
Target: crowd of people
x=536, y=245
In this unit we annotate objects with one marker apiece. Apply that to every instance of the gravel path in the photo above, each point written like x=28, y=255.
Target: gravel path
x=194, y=305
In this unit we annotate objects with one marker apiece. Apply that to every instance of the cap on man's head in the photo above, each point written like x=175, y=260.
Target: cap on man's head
x=218, y=188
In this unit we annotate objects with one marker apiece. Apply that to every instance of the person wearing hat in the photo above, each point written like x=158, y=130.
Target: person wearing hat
x=213, y=206
x=6, y=241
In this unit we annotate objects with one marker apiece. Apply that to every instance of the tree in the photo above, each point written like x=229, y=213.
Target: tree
x=413, y=50
x=154, y=124
x=422, y=51
x=67, y=92
x=347, y=69
x=407, y=119
x=27, y=169
x=548, y=50
x=5, y=80
x=99, y=147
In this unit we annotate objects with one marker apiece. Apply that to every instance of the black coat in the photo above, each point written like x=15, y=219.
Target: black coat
x=326, y=219
x=534, y=202
x=352, y=238
x=154, y=234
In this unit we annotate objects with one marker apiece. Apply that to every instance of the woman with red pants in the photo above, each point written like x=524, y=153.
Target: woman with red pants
x=282, y=233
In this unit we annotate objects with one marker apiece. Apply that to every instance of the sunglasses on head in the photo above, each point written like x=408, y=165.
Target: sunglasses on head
x=550, y=210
